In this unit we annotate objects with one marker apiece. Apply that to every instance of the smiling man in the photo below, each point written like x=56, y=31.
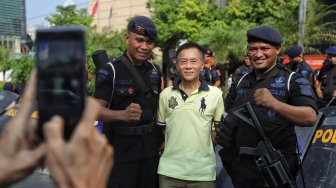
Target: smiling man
x=280, y=98
x=187, y=110
x=129, y=88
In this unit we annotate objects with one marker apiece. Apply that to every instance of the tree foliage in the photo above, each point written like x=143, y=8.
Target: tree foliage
x=226, y=41
x=21, y=68
x=224, y=30
x=4, y=55
x=110, y=41
x=319, y=34
x=69, y=15
x=181, y=19
x=256, y=11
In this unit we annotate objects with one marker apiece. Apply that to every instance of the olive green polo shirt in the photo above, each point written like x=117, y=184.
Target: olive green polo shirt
x=188, y=152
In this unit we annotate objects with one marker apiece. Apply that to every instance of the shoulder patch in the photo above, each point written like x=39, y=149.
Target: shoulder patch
x=306, y=90
x=101, y=75
x=302, y=81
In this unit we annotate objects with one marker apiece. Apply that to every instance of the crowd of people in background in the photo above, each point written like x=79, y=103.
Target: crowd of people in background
x=175, y=147
x=319, y=79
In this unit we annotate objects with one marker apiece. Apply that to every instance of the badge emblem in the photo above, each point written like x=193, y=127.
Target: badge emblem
x=154, y=71
x=140, y=29
x=279, y=82
x=130, y=90
x=172, y=102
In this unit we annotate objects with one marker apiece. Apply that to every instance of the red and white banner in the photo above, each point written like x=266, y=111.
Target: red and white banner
x=94, y=8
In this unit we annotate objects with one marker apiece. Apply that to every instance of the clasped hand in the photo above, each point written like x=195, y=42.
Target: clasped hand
x=84, y=161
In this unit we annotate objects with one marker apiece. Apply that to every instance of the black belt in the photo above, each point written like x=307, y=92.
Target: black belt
x=137, y=130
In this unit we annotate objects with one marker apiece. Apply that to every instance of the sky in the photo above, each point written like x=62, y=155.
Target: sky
x=37, y=10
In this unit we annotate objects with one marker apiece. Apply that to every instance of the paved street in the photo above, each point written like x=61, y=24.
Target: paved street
x=36, y=180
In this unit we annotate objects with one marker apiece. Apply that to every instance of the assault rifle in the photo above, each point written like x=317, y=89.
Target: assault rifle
x=270, y=162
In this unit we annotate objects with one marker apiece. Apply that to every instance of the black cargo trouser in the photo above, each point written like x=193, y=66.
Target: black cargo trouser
x=245, y=173
x=141, y=173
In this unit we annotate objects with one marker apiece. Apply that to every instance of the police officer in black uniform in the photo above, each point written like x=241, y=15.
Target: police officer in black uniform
x=243, y=69
x=327, y=79
x=128, y=88
x=173, y=74
x=209, y=73
x=297, y=63
x=278, y=107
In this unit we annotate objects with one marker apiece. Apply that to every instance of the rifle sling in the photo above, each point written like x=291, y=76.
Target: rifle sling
x=135, y=73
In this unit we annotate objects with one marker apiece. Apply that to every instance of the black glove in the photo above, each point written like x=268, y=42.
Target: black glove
x=225, y=136
x=225, y=131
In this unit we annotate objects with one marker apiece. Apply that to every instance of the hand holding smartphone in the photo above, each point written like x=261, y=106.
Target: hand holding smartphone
x=61, y=74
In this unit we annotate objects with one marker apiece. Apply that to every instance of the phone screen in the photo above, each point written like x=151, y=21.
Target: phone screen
x=61, y=87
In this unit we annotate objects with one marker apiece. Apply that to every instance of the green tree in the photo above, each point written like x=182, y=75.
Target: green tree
x=319, y=34
x=69, y=15
x=181, y=20
x=224, y=30
x=111, y=41
x=227, y=41
x=4, y=57
x=21, y=68
x=256, y=11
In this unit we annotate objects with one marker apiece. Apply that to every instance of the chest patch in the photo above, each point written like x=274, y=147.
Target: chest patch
x=279, y=82
x=203, y=105
x=172, y=102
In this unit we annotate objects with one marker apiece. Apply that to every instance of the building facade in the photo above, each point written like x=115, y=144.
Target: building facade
x=114, y=14
x=12, y=23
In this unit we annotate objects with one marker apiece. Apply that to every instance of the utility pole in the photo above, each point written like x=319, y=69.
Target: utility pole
x=302, y=21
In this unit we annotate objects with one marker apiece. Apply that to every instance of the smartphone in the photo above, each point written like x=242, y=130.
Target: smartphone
x=61, y=75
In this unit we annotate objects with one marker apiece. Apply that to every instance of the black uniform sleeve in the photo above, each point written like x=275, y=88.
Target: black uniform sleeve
x=104, y=83
x=159, y=75
x=301, y=92
x=230, y=97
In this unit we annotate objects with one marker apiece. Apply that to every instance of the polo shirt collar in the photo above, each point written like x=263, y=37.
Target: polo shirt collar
x=203, y=86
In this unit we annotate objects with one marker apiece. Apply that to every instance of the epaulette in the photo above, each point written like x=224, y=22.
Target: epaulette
x=283, y=67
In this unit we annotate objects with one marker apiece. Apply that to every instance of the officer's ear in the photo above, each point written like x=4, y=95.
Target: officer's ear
x=278, y=49
x=202, y=65
x=126, y=37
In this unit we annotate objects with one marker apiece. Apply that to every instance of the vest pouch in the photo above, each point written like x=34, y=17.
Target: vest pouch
x=146, y=103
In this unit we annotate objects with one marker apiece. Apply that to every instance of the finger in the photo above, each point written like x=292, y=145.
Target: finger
x=105, y=164
x=53, y=131
x=88, y=118
x=135, y=105
x=26, y=161
x=37, y=154
x=56, y=156
x=27, y=101
x=137, y=110
x=31, y=136
x=135, y=117
x=56, y=169
x=98, y=144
